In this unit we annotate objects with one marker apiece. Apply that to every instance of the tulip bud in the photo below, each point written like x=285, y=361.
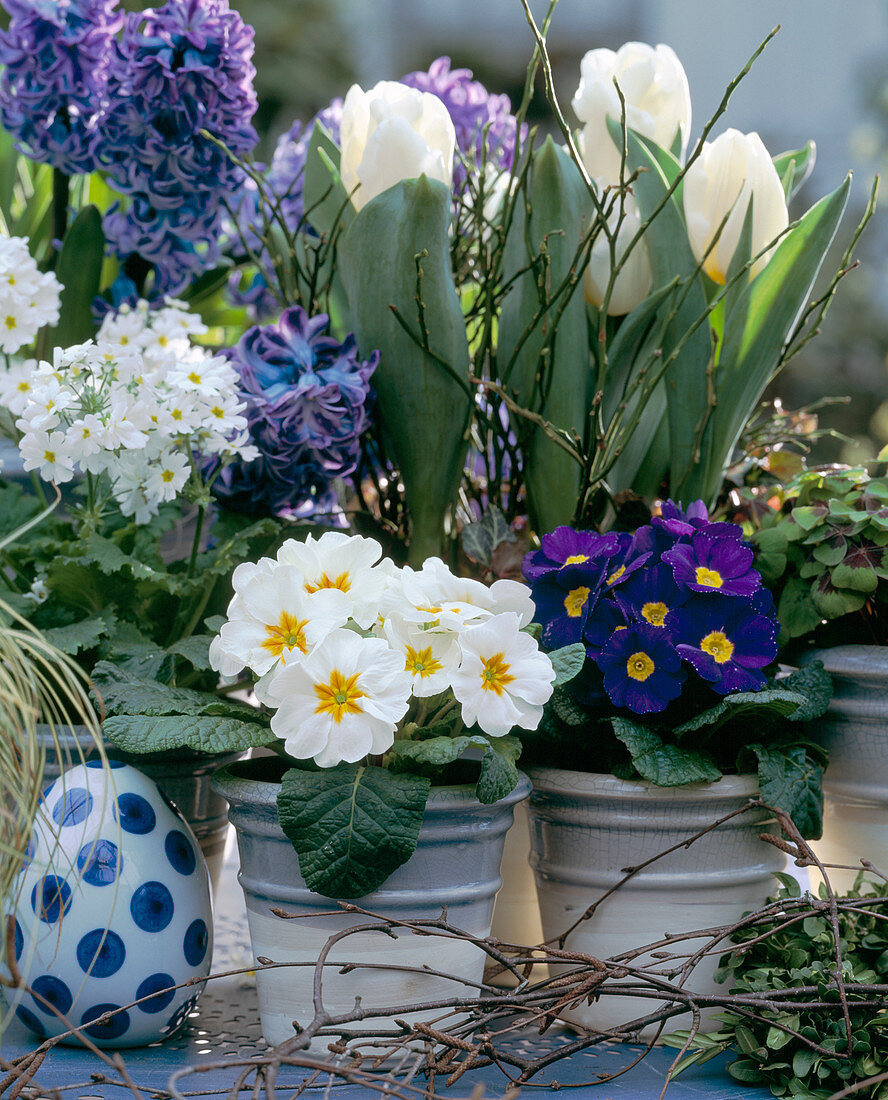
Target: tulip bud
x=392, y=133
x=656, y=93
x=633, y=284
x=731, y=172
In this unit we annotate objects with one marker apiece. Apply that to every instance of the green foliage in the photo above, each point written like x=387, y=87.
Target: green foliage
x=801, y=1051
x=480, y=539
x=661, y=763
x=351, y=825
x=80, y=273
x=825, y=555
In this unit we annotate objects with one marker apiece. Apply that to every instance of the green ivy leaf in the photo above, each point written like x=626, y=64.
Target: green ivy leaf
x=140, y=733
x=665, y=765
x=790, y=780
x=351, y=825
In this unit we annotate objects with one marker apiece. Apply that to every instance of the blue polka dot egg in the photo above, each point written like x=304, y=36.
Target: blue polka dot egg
x=113, y=908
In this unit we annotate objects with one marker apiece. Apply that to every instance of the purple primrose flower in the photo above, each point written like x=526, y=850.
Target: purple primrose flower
x=564, y=598
x=726, y=640
x=710, y=563
x=641, y=669
x=564, y=547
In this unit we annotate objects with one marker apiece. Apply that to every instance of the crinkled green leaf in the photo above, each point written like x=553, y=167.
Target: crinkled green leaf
x=777, y=700
x=351, y=825
x=567, y=662
x=499, y=775
x=79, y=636
x=433, y=752
x=665, y=765
x=814, y=684
x=123, y=693
x=479, y=540
x=141, y=733
x=195, y=649
x=790, y=780
x=567, y=708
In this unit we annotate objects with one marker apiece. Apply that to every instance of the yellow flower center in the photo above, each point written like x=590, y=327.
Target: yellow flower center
x=123, y=341
x=49, y=456
x=615, y=576
x=422, y=662
x=718, y=646
x=576, y=559
x=177, y=414
x=217, y=412
x=495, y=673
x=10, y=322
x=340, y=696
x=709, y=577
x=194, y=377
x=342, y=582
x=639, y=666
x=287, y=633
x=655, y=613
x=167, y=475
x=163, y=341
x=11, y=280
x=575, y=601
x=24, y=387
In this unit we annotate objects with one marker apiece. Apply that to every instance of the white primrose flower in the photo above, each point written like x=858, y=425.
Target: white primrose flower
x=168, y=472
x=276, y=620
x=343, y=562
x=503, y=679
x=17, y=385
x=29, y=299
x=430, y=657
x=49, y=453
x=341, y=702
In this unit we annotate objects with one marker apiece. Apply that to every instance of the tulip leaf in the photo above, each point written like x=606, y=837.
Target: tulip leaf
x=758, y=328
x=351, y=825
x=395, y=256
x=80, y=272
x=794, y=167
x=688, y=397
x=550, y=370
x=323, y=194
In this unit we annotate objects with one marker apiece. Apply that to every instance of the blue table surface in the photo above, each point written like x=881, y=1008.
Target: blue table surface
x=224, y=1028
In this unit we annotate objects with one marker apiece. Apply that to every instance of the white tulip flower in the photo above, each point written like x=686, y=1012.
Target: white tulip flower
x=731, y=172
x=633, y=284
x=392, y=133
x=657, y=97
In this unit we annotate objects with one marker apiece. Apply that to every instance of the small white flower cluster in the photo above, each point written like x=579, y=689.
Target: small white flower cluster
x=142, y=404
x=342, y=641
x=28, y=299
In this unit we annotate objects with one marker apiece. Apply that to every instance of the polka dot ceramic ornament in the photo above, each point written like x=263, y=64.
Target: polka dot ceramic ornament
x=113, y=908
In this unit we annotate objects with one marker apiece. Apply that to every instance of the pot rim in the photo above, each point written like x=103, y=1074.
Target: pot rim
x=553, y=780
x=853, y=659
x=264, y=792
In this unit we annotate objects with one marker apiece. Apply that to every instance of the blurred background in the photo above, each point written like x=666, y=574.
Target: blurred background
x=824, y=77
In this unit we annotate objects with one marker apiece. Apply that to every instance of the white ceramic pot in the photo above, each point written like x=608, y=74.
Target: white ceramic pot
x=516, y=915
x=855, y=733
x=456, y=864
x=586, y=829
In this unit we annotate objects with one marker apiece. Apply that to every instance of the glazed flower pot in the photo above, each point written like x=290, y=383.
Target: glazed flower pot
x=854, y=731
x=586, y=829
x=456, y=864
x=182, y=776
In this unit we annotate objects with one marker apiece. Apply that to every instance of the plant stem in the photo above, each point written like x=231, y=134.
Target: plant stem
x=195, y=546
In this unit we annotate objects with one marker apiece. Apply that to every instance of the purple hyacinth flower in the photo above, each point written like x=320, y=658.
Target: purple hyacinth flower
x=566, y=548
x=649, y=595
x=564, y=599
x=606, y=619
x=308, y=398
x=56, y=59
x=710, y=563
x=642, y=671
x=726, y=640
x=483, y=122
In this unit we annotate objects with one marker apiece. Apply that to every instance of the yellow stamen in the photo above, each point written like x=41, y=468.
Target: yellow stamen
x=639, y=666
x=194, y=377
x=615, y=576
x=576, y=559
x=163, y=341
x=495, y=674
x=718, y=646
x=342, y=582
x=708, y=577
x=288, y=633
x=339, y=697
x=575, y=601
x=217, y=412
x=49, y=456
x=10, y=322
x=655, y=613
x=167, y=475
x=422, y=663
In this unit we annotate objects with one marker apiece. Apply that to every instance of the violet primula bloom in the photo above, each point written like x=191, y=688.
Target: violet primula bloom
x=564, y=598
x=633, y=554
x=566, y=548
x=608, y=617
x=474, y=112
x=678, y=521
x=712, y=563
x=308, y=398
x=55, y=57
x=641, y=669
x=179, y=69
x=649, y=595
x=726, y=640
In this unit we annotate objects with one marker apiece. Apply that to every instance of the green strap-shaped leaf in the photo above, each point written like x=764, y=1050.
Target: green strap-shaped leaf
x=550, y=372
x=688, y=400
x=794, y=167
x=351, y=825
x=324, y=197
x=423, y=399
x=80, y=272
x=757, y=329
